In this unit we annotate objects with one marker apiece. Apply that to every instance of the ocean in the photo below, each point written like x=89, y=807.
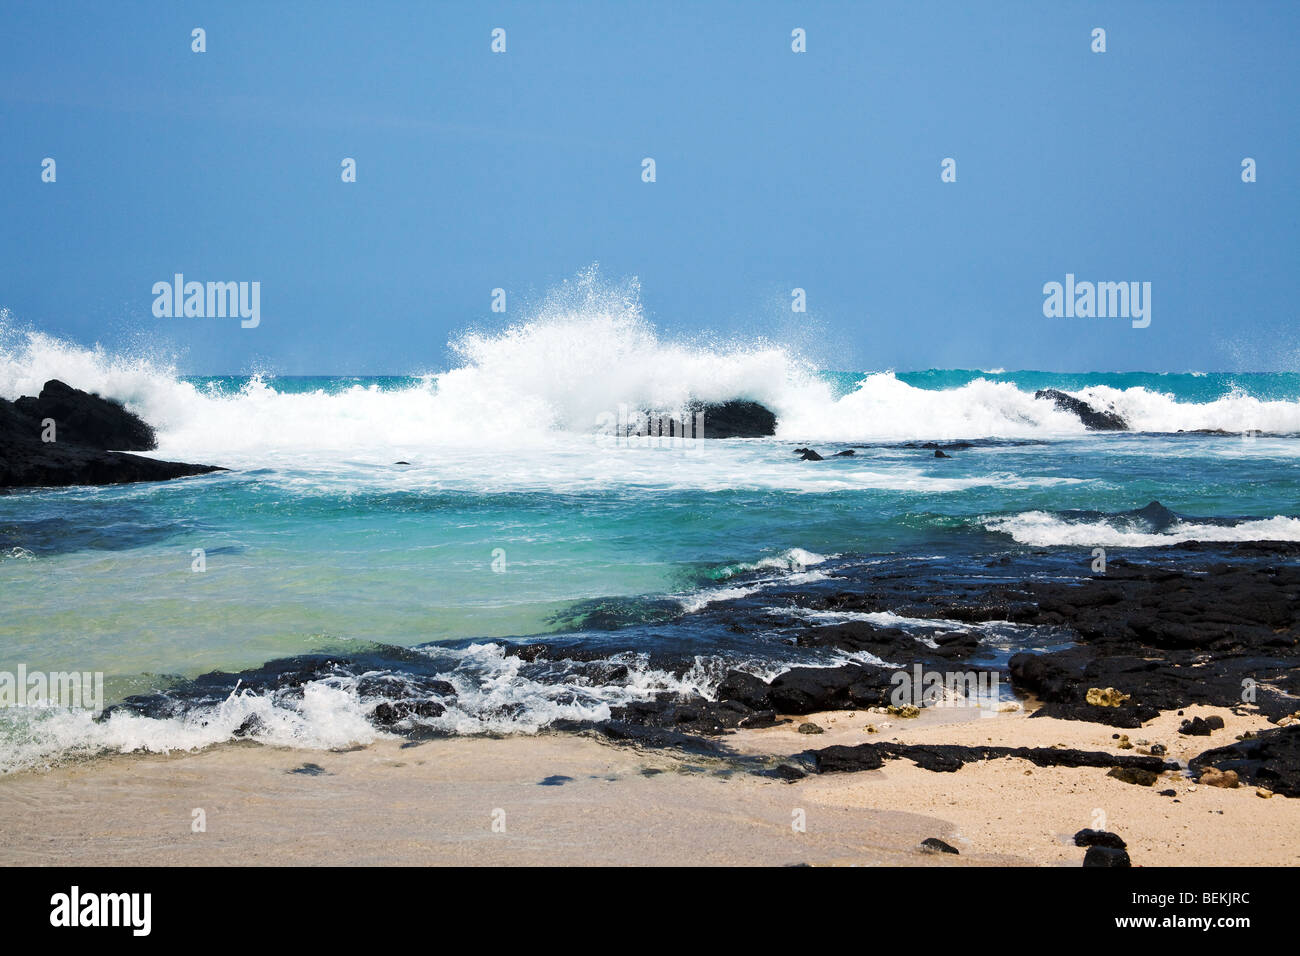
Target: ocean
x=388, y=540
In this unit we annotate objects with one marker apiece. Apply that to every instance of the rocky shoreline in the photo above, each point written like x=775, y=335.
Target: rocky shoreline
x=1145, y=639
x=65, y=436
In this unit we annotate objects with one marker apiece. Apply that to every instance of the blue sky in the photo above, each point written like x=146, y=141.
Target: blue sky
x=818, y=170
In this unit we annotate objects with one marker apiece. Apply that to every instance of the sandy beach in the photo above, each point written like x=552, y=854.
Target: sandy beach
x=567, y=799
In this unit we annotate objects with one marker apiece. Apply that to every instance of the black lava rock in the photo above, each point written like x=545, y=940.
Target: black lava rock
x=1200, y=726
x=736, y=419
x=935, y=845
x=1092, y=419
x=1270, y=759
x=842, y=759
x=85, y=426
x=1106, y=856
x=82, y=418
x=1099, y=838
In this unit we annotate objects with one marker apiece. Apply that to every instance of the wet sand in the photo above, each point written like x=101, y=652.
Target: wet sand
x=567, y=799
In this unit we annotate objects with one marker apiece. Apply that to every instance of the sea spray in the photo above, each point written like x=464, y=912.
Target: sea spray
x=583, y=353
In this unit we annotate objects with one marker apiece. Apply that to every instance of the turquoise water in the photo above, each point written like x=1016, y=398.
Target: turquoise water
x=299, y=561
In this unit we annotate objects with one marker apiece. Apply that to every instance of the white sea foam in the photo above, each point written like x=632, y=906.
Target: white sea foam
x=792, y=559
x=1150, y=411
x=1041, y=529
x=493, y=695
x=699, y=600
x=793, y=567
x=328, y=714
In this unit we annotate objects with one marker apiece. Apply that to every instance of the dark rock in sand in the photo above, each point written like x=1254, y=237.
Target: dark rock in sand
x=85, y=426
x=937, y=758
x=691, y=714
x=643, y=735
x=949, y=758
x=804, y=690
x=1270, y=760
x=935, y=845
x=1106, y=856
x=784, y=771
x=759, y=719
x=1092, y=419
x=1100, y=838
x=1200, y=726
x=842, y=759
x=309, y=770
x=745, y=689
x=1134, y=775
x=1058, y=679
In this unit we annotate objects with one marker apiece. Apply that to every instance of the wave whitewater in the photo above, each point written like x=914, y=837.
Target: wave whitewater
x=584, y=353
x=1151, y=527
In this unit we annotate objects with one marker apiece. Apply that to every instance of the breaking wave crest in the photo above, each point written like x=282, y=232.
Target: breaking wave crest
x=586, y=351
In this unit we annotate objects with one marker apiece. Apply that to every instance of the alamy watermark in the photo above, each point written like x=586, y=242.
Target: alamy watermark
x=211, y=300
x=72, y=690
x=1101, y=300
x=133, y=911
x=921, y=688
x=639, y=429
